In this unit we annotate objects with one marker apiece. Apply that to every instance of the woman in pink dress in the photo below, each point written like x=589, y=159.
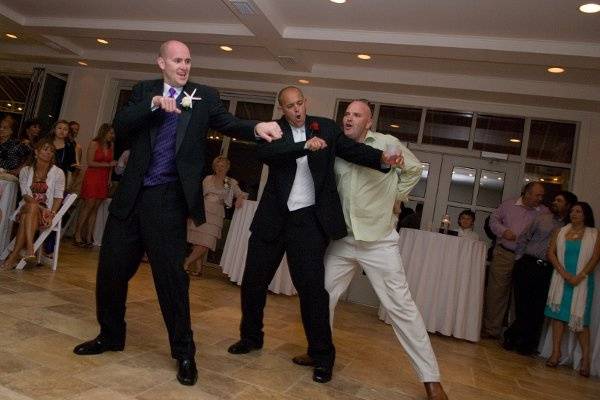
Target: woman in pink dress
x=219, y=191
x=96, y=182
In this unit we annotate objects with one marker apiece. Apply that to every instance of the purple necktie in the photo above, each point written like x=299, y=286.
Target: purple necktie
x=162, y=164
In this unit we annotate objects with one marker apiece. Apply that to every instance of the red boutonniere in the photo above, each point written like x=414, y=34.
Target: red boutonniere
x=315, y=129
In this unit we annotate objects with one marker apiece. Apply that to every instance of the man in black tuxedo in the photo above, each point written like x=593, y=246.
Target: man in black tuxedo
x=298, y=214
x=160, y=187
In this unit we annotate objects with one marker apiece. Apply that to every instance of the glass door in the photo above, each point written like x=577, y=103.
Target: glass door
x=475, y=184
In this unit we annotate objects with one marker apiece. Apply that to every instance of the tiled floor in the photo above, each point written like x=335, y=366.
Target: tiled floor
x=44, y=314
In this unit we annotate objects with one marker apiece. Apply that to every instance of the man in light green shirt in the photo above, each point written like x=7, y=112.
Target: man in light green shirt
x=370, y=202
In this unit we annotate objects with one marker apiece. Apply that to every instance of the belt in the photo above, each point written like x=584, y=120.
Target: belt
x=507, y=249
x=538, y=261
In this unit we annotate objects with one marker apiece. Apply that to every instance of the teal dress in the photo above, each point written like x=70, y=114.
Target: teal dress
x=572, y=248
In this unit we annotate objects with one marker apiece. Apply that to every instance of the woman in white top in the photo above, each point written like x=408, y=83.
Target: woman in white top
x=466, y=220
x=42, y=186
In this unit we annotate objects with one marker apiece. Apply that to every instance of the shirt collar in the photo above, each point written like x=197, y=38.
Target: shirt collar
x=370, y=136
x=166, y=88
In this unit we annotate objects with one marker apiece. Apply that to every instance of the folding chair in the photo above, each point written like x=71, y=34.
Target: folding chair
x=55, y=226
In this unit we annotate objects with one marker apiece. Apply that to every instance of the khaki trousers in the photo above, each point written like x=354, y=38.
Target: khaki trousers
x=498, y=290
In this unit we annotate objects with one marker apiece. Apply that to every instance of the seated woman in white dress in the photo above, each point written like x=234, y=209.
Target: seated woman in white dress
x=42, y=186
x=466, y=220
x=219, y=191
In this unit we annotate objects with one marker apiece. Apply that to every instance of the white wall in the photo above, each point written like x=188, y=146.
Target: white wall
x=91, y=95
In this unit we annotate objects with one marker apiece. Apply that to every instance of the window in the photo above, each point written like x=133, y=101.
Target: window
x=499, y=134
x=447, y=128
x=551, y=141
x=400, y=122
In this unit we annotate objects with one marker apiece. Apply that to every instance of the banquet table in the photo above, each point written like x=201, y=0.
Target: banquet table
x=446, y=277
x=8, y=203
x=570, y=350
x=233, y=260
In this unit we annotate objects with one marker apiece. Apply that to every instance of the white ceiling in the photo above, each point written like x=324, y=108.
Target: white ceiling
x=483, y=50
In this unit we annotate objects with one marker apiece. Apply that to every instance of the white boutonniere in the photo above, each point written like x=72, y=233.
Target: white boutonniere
x=188, y=99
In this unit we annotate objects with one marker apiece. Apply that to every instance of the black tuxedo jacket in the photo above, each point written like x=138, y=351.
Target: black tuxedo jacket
x=280, y=155
x=140, y=124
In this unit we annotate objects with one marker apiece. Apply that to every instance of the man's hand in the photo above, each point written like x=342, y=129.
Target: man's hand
x=315, y=143
x=509, y=235
x=393, y=160
x=268, y=131
x=168, y=104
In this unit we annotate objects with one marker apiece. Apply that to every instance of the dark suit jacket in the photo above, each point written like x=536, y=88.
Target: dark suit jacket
x=281, y=155
x=140, y=124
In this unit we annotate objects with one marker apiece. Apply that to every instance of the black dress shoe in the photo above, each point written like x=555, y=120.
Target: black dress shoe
x=242, y=347
x=96, y=346
x=187, y=374
x=305, y=360
x=322, y=374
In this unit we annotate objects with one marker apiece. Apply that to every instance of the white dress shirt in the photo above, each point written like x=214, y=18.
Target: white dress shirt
x=303, y=190
x=166, y=88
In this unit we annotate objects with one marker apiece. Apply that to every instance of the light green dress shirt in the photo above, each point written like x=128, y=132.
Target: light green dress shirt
x=368, y=195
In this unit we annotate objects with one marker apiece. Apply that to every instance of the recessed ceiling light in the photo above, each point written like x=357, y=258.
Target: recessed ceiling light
x=102, y=41
x=338, y=1
x=556, y=70
x=12, y=36
x=8, y=105
x=364, y=56
x=82, y=63
x=499, y=178
x=542, y=180
x=226, y=48
x=515, y=140
x=305, y=81
x=394, y=126
x=555, y=179
x=20, y=108
x=485, y=177
x=589, y=8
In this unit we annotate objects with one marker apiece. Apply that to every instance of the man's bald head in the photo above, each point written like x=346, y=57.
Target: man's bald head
x=287, y=90
x=293, y=105
x=358, y=119
x=175, y=62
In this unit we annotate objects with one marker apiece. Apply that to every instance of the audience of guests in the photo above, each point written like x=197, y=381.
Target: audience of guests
x=532, y=273
x=31, y=132
x=574, y=253
x=466, y=221
x=76, y=177
x=96, y=183
x=42, y=187
x=507, y=222
x=65, y=149
x=12, y=152
x=219, y=190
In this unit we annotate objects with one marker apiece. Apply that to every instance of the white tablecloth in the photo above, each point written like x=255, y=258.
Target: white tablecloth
x=8, y=203
x=570, y=351
x=233, y=260
x=446, y=276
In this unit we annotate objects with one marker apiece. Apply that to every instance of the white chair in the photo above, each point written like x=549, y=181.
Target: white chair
x=56, y=226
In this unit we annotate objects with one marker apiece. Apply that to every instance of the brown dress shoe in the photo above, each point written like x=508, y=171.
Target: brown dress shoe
x=304, y=360
x=435, y=391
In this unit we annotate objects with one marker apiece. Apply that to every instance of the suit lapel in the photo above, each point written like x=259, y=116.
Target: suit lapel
x=157, y=90
x=184, y=118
